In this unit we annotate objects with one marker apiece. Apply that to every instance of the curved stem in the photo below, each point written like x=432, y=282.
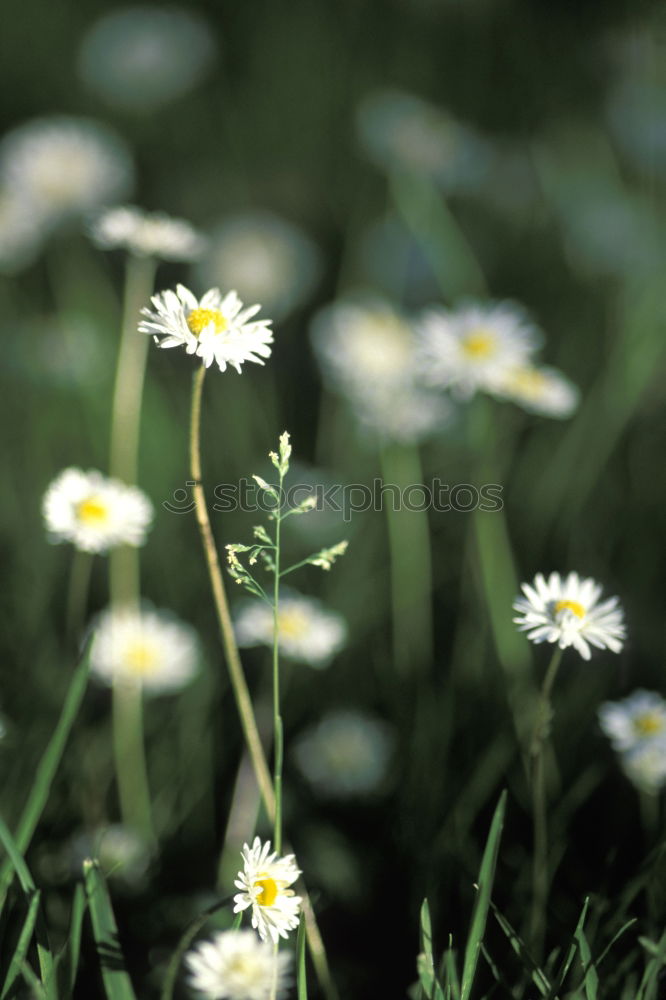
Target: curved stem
x=238, y=682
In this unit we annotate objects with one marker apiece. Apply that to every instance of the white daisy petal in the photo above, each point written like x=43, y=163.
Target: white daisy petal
x=236, y=965
x=265, y=883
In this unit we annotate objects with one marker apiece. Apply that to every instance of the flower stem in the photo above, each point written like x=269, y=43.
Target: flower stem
x=411, y=568
x=540, y=861
x=77, y=596
x=124, y=577
x=238, y=682
x=277, y=718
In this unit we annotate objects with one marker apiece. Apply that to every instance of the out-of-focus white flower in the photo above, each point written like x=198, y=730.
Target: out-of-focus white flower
x=641, y=716
x=474, y=346
x=146, y=234
x=567, y=611
x=367, y=352
x=645, y=765
x=236, y=965
x=400, y=130
x=264, y=884
x=346, y=753
x=64, y=167
x=265, y=258
x=307, y=631
x=545, y=391
x=215, y=327
x=20, y=234
x=139, y=58
x=123, y=855
x=149, y=649
x=94, y=513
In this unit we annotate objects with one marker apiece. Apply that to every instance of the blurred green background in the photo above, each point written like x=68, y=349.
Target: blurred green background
x=569, y=219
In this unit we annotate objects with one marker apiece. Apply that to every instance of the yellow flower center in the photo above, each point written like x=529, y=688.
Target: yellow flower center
x=479, y=344
x=141, y=658
x=573, y=606
x=92, y=511
x=199, y=319
x=648, y=724
x=292, y=624
x=269, y=891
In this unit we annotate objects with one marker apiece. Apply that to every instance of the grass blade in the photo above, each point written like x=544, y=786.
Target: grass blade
x=590, y=977
x=539, y=977
x=22, y=945
x=482, y=902
x=117, y=983
x=48, y=766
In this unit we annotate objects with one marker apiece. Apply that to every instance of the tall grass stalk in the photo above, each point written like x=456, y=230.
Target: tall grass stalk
x=278, y=735
x=124, y=578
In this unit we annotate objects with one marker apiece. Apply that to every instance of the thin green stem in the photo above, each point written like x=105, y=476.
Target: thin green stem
x=540, y=736
x=77, y=596
x=277, y=718
x=411, y=567
x=130, y=759
x=236, y=676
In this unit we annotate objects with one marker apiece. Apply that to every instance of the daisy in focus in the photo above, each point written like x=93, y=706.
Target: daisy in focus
x=215, y=327
x=146, y=234
x=65, y=166
x=94, y=513
x=264, y=885
x=307, y=631
x=236, y=965
x=640, y=717
x=149, y=649
x=568, y=612
x=544, y=391
x=474, y=347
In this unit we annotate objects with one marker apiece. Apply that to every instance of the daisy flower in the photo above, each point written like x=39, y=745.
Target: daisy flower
x=640, y=717
x=65, y=166
x=567, y=611
x=307, y=631
x=345, y=754
x=544, y=391
x=215, y=327
x=236, y=965
x=475, y=346
x=146, y=234
x=264, y=885
x=94, y=513
x=645, y=765
x=148, y=648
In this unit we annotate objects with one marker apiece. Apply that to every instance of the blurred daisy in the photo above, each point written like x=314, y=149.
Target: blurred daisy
x=400, y=130
x=236, y=965
x=367, y=352
x=65, y=166
x=567, y=611
x=151, y=649
x=307, y=631
x=347, y=753
x=123, y=855
x=146, y=234
x=544, y=391
x=645, y=765
x=265, y=886
x=265, y=258
x=141, y=57
x=215, y=327
x=95, y=513
x=475, y=346
x=640, y=717
x=20, y=233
